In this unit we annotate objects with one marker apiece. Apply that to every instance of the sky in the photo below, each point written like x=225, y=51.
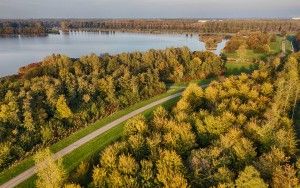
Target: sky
x=149, y=8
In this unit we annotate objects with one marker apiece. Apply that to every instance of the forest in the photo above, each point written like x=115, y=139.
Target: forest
x=192, y=25
x=42, y=26
x=50, y=100
x=237, y=132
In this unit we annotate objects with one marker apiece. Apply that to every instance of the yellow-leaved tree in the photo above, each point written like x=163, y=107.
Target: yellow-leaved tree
x=50, y=172
x=250, y=178
x=170, y=170
x=62, y=108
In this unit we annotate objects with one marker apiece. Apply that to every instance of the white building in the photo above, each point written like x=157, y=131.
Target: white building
x=296, y=18
x=203, y=21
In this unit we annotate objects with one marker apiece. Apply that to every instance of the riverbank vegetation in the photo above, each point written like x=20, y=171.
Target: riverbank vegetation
x=211, y=41
x=11, y=28
x=50, y=100
x=236, y=132
x=187, y=25
x=43, y=26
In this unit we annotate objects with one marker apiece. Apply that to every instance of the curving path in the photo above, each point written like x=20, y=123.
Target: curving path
x=31, y=171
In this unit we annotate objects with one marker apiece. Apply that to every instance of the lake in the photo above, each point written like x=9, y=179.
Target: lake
x=19, y=51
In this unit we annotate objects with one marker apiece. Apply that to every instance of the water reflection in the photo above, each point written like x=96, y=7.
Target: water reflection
x=220, y=47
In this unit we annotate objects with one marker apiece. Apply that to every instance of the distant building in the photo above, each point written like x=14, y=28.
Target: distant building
x=296, y=18
x=202, y=21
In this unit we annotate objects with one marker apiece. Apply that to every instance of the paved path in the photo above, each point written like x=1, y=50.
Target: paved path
x=283, y=50
x=31, y=171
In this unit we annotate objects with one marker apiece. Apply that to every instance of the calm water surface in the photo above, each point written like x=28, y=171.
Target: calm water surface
x=19, y=51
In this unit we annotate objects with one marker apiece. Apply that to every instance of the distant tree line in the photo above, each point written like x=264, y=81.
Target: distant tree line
x=50, y=100
x=225, y=26
x=183, y=25
x=22, y=28
x=234, y=26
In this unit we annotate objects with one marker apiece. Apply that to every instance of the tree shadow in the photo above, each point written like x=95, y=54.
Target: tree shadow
x=242, y=69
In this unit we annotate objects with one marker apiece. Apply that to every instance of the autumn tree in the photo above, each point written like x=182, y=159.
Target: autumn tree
x=62, y=108
x=135, y=125
x=170, y=170
x=50, y=172
x=249, y=178
x=4, y=152
x=285, y=176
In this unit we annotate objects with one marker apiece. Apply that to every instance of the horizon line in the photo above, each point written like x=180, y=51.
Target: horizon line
x=155, y=18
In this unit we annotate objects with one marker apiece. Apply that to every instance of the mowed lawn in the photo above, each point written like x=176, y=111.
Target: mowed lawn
x=275, y=47
x=236, y=67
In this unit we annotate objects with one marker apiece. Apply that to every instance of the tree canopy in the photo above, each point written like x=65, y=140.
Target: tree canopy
x=237, y=132
x=50, y=100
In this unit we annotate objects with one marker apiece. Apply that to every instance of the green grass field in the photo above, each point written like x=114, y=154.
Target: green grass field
x=235, y=68
x=275, y=47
